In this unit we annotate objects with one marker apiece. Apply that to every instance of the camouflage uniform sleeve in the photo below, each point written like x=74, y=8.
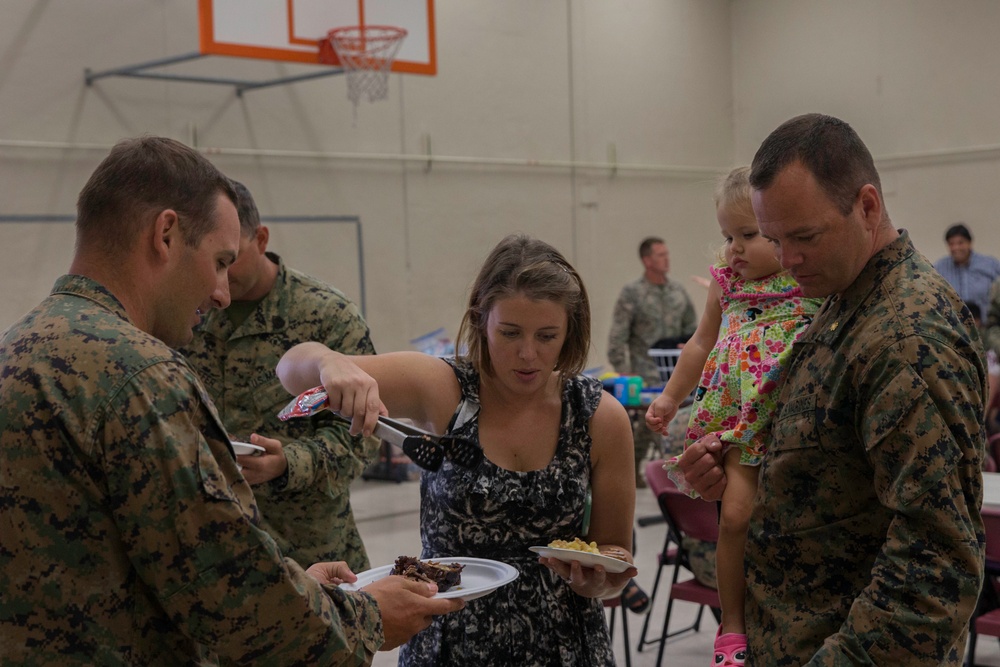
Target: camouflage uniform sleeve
x=621, y=326
x=220, y=579
x=330, y=453
x=925, y=582
x=993, y=319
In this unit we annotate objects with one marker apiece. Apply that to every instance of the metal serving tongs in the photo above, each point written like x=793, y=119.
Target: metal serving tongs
x=425, y=449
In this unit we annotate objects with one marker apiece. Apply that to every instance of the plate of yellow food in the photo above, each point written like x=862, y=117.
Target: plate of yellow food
x=613, y=560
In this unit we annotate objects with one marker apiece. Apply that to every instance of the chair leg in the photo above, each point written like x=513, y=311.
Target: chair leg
x=697, y=619
x=652, y=599
x=625, y=638
x=663, y=634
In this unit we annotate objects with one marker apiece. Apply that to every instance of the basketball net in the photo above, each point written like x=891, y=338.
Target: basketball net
x=366, y=53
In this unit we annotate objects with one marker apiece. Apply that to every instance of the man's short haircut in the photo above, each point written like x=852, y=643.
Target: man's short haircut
x=958, y=229
x=138, y=179
x=646, y=247
x=828, y=147
x=247, y=210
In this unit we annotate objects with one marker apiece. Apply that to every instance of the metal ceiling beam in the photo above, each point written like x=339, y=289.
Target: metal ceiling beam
x=138, y=71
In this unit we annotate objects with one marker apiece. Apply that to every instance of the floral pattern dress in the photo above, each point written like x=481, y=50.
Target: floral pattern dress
x=736, y=396
x=495, y=513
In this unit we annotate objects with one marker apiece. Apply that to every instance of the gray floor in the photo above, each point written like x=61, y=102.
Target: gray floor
x=388, y=520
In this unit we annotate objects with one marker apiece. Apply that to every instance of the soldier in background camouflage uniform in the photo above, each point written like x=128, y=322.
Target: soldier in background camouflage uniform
x=648, y=310
x=128, y=535
x=302, y=482
x=866, y=540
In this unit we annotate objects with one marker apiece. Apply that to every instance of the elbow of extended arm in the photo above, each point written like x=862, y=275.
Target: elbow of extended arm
x=299, y=368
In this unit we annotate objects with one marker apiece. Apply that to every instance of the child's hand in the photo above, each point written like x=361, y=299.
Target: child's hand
x=660, y=413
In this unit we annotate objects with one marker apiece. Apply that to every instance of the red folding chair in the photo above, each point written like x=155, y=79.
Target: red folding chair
x=686, y=517
x=668, y=552
x=988, y=623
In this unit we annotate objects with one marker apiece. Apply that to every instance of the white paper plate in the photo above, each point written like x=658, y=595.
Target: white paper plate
x=612, y=565
x=245, y=448
x=480, y=577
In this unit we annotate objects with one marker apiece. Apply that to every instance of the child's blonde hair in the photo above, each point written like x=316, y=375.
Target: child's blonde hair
x=733, y=191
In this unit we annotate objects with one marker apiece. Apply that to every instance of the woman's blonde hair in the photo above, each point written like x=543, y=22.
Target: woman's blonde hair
x=521, y=265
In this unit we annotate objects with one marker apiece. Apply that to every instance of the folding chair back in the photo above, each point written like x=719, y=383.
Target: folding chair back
x=692, y=517
x=991, y=522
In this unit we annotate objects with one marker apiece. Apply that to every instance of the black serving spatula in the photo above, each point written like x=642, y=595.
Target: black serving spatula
x=426, y=449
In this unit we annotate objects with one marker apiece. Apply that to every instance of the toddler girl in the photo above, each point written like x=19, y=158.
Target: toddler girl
x=755, y=311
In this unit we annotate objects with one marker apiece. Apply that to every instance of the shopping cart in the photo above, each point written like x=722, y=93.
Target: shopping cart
x=665, y=361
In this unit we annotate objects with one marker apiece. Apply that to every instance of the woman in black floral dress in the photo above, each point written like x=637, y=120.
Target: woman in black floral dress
x=548, y=434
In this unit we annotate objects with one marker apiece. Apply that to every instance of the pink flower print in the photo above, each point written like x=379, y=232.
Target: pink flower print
x=729, y=422
x=768, y=387
x=775, y=347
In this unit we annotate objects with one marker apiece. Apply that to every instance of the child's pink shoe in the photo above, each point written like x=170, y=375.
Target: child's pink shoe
x=730, y=649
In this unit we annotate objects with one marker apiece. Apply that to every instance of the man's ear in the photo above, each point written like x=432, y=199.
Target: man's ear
x=263, y=235
x=871, y=205
x=166, y=233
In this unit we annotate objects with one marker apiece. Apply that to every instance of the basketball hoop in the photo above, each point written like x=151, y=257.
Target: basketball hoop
x=366, y=54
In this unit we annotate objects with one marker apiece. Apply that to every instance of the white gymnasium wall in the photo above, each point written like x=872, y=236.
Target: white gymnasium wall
x=518, y=79
x=690, y=85
x=916, y=78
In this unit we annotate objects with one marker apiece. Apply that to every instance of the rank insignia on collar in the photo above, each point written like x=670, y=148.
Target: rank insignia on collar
x=833, y=327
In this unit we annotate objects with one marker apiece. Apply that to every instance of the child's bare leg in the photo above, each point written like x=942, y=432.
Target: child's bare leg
x=737, y=500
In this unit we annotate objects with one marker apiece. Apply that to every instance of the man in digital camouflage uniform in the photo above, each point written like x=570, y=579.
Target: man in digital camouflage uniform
x=648, y=310
x=128, y=535
x=866, y=541
x=302, y=482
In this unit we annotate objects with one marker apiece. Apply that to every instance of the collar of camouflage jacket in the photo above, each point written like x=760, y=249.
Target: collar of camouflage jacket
x=267, y=317
x=88, y=288
x=839, y=309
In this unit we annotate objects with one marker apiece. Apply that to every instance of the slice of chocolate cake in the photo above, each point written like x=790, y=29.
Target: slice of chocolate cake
x=445, y=576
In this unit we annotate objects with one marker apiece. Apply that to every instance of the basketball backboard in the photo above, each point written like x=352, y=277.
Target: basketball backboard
x=290, y=30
